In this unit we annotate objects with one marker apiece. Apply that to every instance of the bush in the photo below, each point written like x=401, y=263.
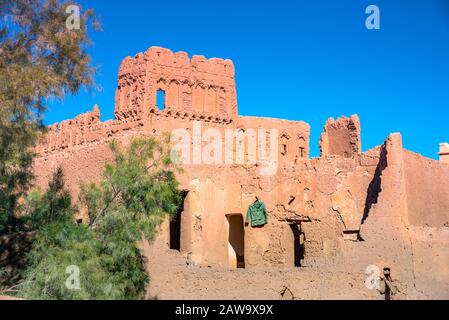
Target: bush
x=137, y=191
x=58, y=246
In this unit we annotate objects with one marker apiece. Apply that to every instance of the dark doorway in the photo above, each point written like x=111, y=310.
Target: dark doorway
x=175, y=227
x=175, y=232
x=298, y=244
x=236, y=241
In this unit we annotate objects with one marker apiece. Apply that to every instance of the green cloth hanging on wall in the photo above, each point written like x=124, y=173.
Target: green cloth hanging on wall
x=257, y=212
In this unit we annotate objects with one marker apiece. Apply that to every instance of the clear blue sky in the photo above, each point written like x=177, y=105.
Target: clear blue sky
x=298, y=59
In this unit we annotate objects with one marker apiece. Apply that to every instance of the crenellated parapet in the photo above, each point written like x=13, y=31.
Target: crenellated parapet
x=85, y=128
x=69, y=132
x=198, y=85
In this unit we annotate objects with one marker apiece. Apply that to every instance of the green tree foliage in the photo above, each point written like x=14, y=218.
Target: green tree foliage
x=137, y=191
x=38, y=210
x=40, y=58
x=60, y=243
x=54, y=205
x=58, y=246
x=140, y=183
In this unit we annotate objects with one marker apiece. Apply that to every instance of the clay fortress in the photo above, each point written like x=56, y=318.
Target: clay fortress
x=336, y=223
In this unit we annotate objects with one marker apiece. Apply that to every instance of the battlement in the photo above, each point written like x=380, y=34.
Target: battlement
x=84, y=128
x=199, y=85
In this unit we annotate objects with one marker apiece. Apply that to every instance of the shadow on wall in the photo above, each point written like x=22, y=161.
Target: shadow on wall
x=298, y=245
x=375, y=186
x=175, y=226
